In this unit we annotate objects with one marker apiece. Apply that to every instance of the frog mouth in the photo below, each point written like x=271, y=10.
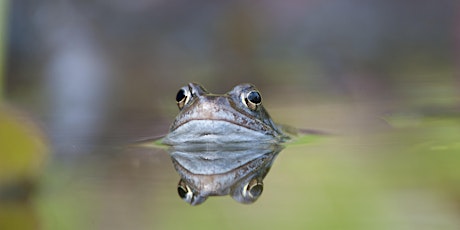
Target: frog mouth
x=213, y=112
x=215, y=131
x=219, y=121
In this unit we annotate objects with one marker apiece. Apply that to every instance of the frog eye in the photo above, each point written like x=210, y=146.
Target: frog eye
x=183, y=97
x=252, y=99
x=253, y=189
x=185, y=193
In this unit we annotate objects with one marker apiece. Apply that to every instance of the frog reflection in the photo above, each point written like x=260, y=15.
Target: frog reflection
x=233, y=170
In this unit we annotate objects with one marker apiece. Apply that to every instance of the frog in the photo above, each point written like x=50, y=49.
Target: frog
x=237, y=116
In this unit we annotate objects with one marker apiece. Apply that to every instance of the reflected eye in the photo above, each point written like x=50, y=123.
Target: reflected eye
x=252, y=100
x=183, y=97
x=253, y=189
x=185, y=192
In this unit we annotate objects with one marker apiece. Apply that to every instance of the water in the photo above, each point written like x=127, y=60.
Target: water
x=402, y=175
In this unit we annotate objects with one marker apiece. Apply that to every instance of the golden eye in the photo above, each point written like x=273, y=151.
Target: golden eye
x=252, y=99
x=253, y=189
x=184, y=192
x=183, y=97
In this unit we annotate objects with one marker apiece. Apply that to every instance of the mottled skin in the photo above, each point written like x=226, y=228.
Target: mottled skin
x=228, y=117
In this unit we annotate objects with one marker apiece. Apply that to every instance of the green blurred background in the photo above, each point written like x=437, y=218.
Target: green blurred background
x=82, y=79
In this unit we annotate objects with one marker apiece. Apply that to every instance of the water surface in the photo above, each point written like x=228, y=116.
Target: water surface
x=401, y=171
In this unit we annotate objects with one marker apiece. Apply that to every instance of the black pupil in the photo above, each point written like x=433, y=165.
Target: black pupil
x=256, y=190
x=182, y=192
x=254, y=97
x=180, y=95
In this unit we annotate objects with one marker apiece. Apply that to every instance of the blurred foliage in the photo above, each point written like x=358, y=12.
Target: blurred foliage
x=22, y=156
x=22, y=147
x=18, y=216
